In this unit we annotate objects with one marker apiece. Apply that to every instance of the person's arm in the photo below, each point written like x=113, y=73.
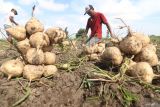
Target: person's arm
x=104, y=21
x=12, y=20
x=87, y=27
x=109, y=28
x=86, y=31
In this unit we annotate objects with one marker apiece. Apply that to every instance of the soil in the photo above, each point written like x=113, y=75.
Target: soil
x=66, y=89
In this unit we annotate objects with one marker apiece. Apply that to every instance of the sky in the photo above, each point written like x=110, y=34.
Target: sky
x=141, y=15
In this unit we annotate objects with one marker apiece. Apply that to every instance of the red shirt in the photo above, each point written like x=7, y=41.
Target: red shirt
x=95, y=23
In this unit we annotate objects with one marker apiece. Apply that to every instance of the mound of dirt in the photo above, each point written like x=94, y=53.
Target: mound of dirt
x=60, y=91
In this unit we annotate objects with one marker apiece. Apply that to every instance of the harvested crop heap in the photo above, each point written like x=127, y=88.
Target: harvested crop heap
x=135, y=46
x=35, y=46
x=93, y=52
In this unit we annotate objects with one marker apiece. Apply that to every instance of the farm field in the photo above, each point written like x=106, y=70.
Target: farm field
x=77, y=87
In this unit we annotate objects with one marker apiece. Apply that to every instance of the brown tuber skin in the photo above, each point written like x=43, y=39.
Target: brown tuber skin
x=142, y=70
x=93, y=57
x=147, y=55
x=12, y=68
x=17, y=32
x=47, y=48
x=112, y=54
x=33, y=26
x=149, y=47
x=56, y=35
x=23, y=46
x=35, y=57
x=33, y=72
x=49, y=58
x=50, y=70
x=130, y=45
x=143, y=38
x=38, y=40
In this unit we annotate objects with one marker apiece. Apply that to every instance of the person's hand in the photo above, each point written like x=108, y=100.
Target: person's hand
x=107, y=34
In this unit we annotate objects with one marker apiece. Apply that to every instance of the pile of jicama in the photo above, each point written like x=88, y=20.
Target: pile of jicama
x=35, y=45
x=135, y=45
x=94, y=51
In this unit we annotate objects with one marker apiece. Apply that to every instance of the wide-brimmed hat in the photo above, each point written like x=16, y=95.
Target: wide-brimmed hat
x=88, y=8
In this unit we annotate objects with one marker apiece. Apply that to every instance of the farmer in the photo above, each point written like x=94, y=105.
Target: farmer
x=10, y=22
x=95, y=24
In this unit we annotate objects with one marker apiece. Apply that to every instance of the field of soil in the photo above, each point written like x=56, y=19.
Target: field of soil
x=78, y=86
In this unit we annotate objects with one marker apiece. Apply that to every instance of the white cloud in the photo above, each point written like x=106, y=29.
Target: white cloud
x=6, y=6
x=52, y=5
x=132, y=11
x=26, y=2
x=128, y=9
x=45, y=4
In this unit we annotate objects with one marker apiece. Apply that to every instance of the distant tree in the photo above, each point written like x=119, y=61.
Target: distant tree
x=80, y=33
x=152, y=35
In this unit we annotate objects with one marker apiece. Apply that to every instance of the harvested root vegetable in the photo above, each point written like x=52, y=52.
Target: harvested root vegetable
x=38, y=40
x=112, y=54
x=60, y=35
x=147, y=56
x=12, y=68
x=90, y=49
x=35, y=57
x=97, y=48
x=33, y=72
x=100, y=49
x=56, y=35
x=47, y=48
x=143, y=38
x=93, y=57
x=46, y=40
x=17, y=32
x=33, y=26
x=64, y=35
x=142, y=70
x=52, y=33
x=50, y=70
x=130, y=45
x=101, y=45
x=56, y=39
x=149, y=47
x=23, y=46
x=49, y=58
x=131, y=63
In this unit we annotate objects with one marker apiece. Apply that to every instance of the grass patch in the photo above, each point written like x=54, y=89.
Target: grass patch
x=128, y=96
x=155, y=39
